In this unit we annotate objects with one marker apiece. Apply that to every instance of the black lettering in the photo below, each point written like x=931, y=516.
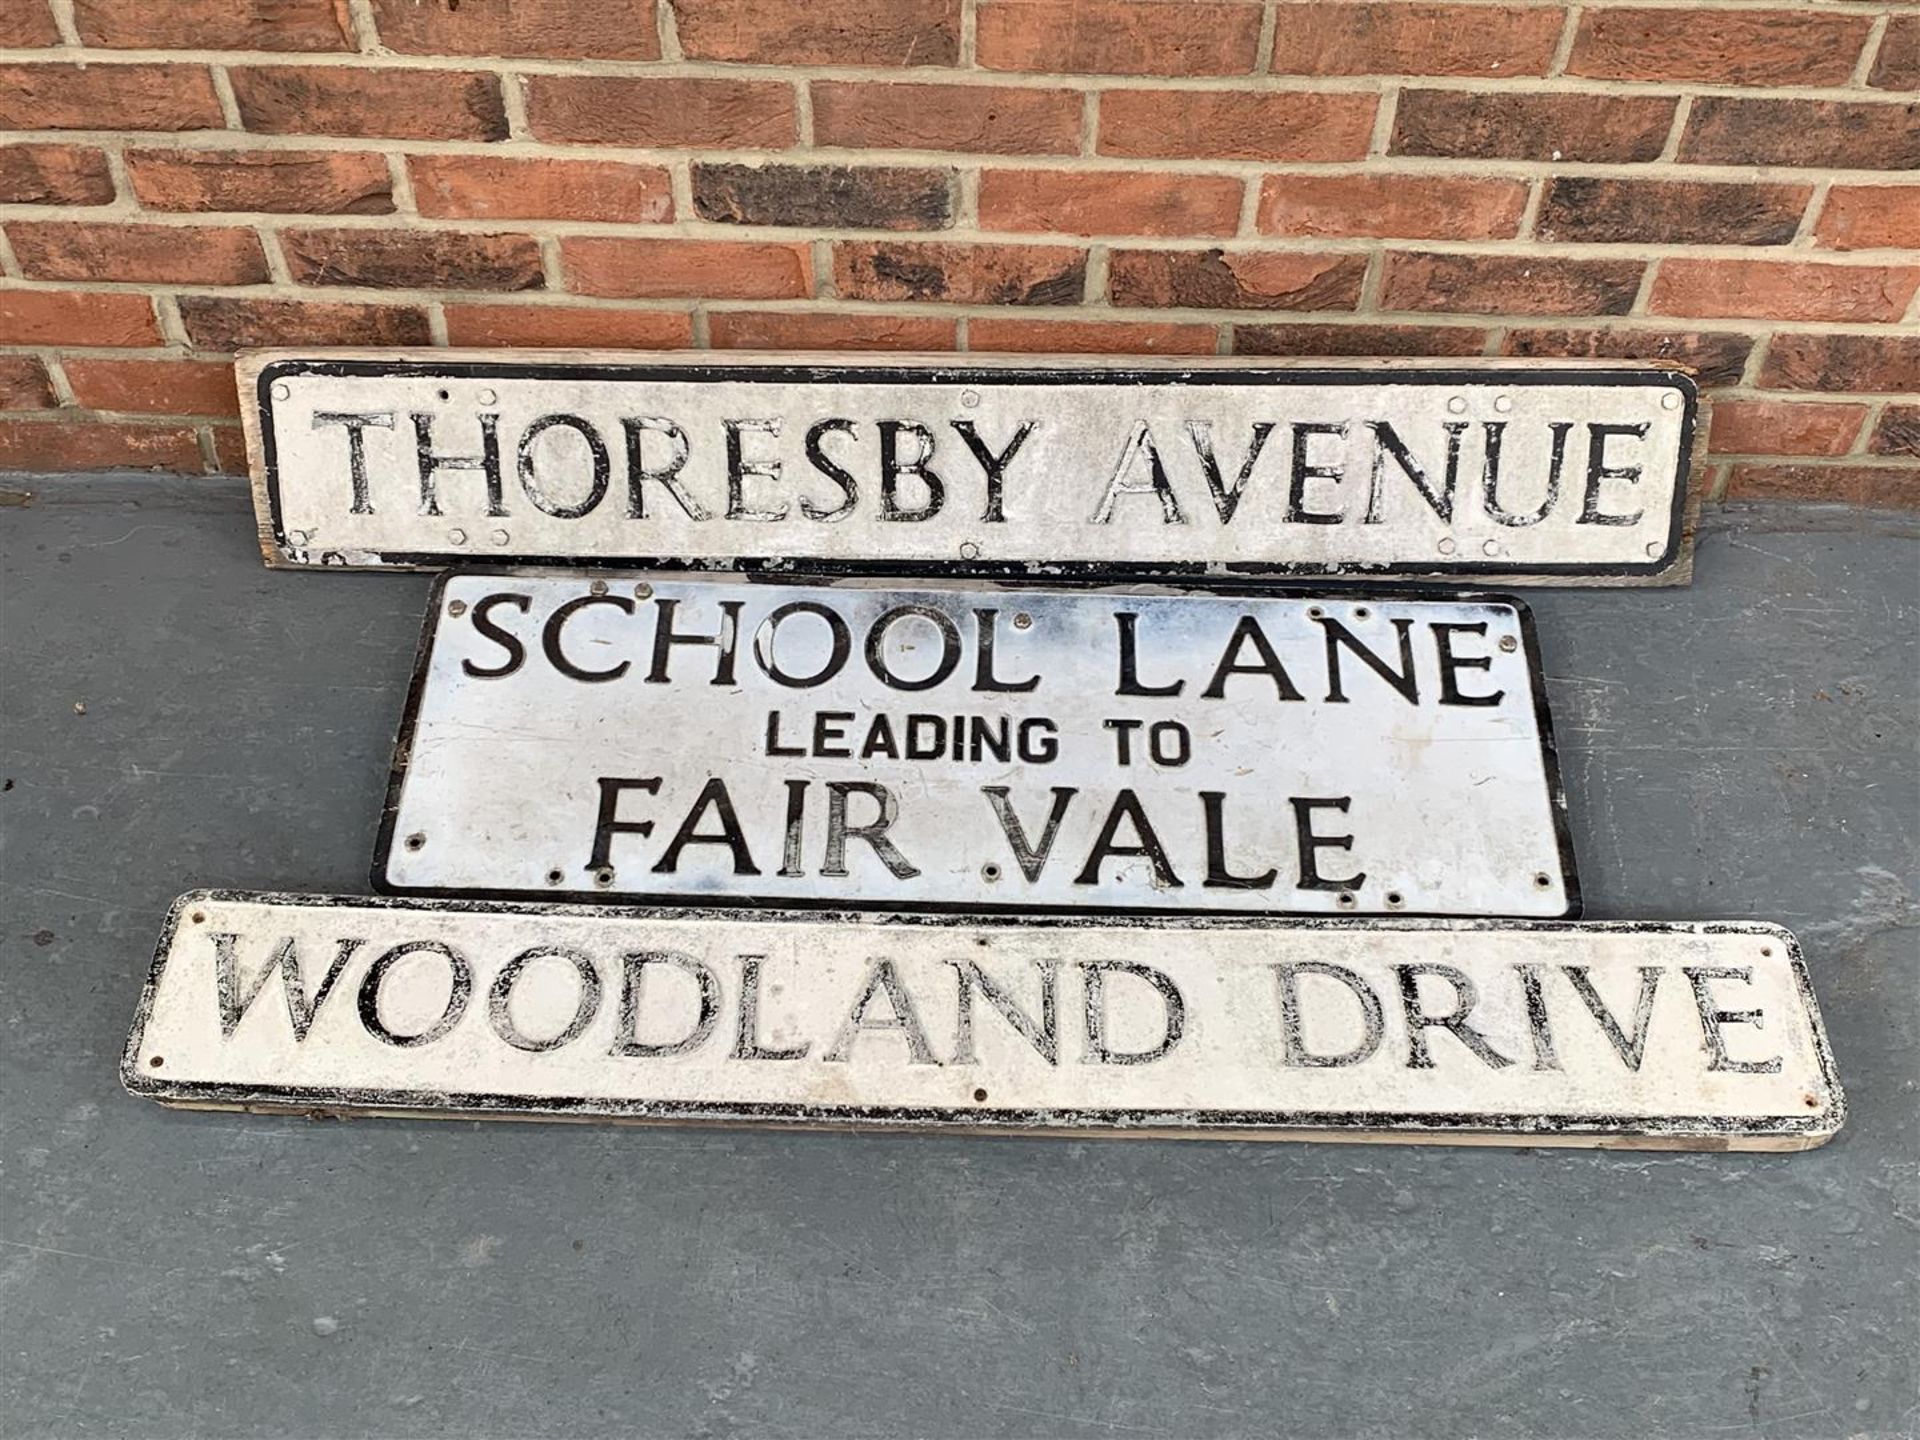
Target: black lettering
x=626, y=1036
x=667, y=475
x=1402, y=680
x=1630, y=1049
x=500, y=999
x=1043, y=1035
x=606, y=825
x=1386, y=442
x=1248, y=632
x=747, y=1044
x=1311, y=843
x=665, y=637
x=234, y=1004
x=817, y=457
x=1219, y=876
x=994, y=466
x=459, y=990
x=483, y=622
x=892, y=467
x=840, y=640
x=1226, y=499
x=1294, y=1052
x=874, y=832
x=1126, y=806
x=431, y=463
x=597, y=457
x=1599, y=470
x=713, y=795
x=903, y=1019
x=1304, y=470
x=985, y=627
x=1451, y=664
x=1539, y=1028
x=1031, y=858
x=949, y=647
x=1099, y=1052
x=1465, y=997
x=556, y=657
x=1130, y=683
x=1490, y=477
x=1140, y=441
x=740, y=469
x=356, y=424
x=1701, y=978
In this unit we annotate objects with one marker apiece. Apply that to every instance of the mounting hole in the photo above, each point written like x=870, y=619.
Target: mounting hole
x=1348, y=900
x=456, y=608
x=555, y=876
x=1812, y=1101
x=1543, y=880
x=1766, y=949
x=1509, y=644
x=444, y=395
x=603, y=877
x=417, y=840
x=1314, y=612
x=969, y=550
x=199, y=917
x=990, y=872
x=1395, y=898
x=981, y=1095
x=1362, y=613
x=157, y=1061
x=1023, y=621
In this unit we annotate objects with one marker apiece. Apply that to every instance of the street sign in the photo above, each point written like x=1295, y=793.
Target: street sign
x=1665, y=1036
x=973, y=748
x=1557, y=473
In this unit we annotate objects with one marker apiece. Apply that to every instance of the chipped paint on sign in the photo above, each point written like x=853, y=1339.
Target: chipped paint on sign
x=1662, y=1035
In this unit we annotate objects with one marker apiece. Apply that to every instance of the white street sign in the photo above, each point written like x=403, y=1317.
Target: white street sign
x=1670, y=1036
x=1011, y=467
x=976, y=748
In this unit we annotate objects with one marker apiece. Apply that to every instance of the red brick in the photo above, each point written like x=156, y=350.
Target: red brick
x=1120, y=37
x=71, y=317
x=1670, y=212
x=806, y=32
x=986, y=333
x=559, y=29
x=1418, y=207
x=24, y=384
x=229, y=449
x=1389, y=37
x=108, y=97
x=625, y=268
x=97, y=445
x=1235, y=124
x=1774, y=427
x=154, y=387
x=1856, y=364
x=1724, y=47
x=54, y=175
x=1897, y=65
x=154, y=254
x=814, y=330
x=1778, y=290
x=1509, y=284
x=1870, y=217
x=312, y=182
x=1491, y=125
x=864, y=197
x=568, y=326
x=27, y=25
x=215, y=24
x=1889, y=487
x=1714, y=359
x=413, y=259
x=978, y=119
x=492, y=187
x=673, y=111
x=226, y=323
x=1898, y=432
x=388, y=104
x=1236, y=280
x=963, y=274
x=1109, y=202
x=1825, y=134
x=1361, y=340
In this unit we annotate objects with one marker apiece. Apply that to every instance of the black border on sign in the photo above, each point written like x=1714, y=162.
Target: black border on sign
x=880, y=374
x=1305, y=1124
x=416, y=689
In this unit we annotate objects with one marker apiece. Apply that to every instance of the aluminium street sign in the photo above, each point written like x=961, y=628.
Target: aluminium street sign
x=1219, y=468
x=1657, y=1035
x=976, y=747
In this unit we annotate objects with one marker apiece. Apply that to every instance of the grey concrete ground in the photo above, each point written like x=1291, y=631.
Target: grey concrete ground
x=1743, y=748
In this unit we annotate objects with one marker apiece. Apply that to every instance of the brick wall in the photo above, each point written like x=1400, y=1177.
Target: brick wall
x=1727, y=184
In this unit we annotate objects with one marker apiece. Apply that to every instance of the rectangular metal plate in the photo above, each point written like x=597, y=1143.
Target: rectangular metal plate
x=976, y=748
x=1013, y=467
x=1629, y=1035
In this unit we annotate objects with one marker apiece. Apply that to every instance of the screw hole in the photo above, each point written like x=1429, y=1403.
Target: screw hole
x=1348, y=900
x=1314, y=612
x=990, y=871
x=603, y=877
x=457, y=608
x=1812, y=1100
x=199, y=917
x=554, y=877
x=1543, y=880
x=416, y=840
x=979, y=1095
x=157, y=1061
x=1362, y=613
x=1766, y=949
x=444, y=395
x=1394, y=898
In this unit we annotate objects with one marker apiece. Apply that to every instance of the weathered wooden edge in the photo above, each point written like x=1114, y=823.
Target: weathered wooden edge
x=1820, y=1128
x=249, y=363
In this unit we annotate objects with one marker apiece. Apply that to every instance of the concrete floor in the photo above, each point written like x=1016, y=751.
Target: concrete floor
x=1742, y=748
